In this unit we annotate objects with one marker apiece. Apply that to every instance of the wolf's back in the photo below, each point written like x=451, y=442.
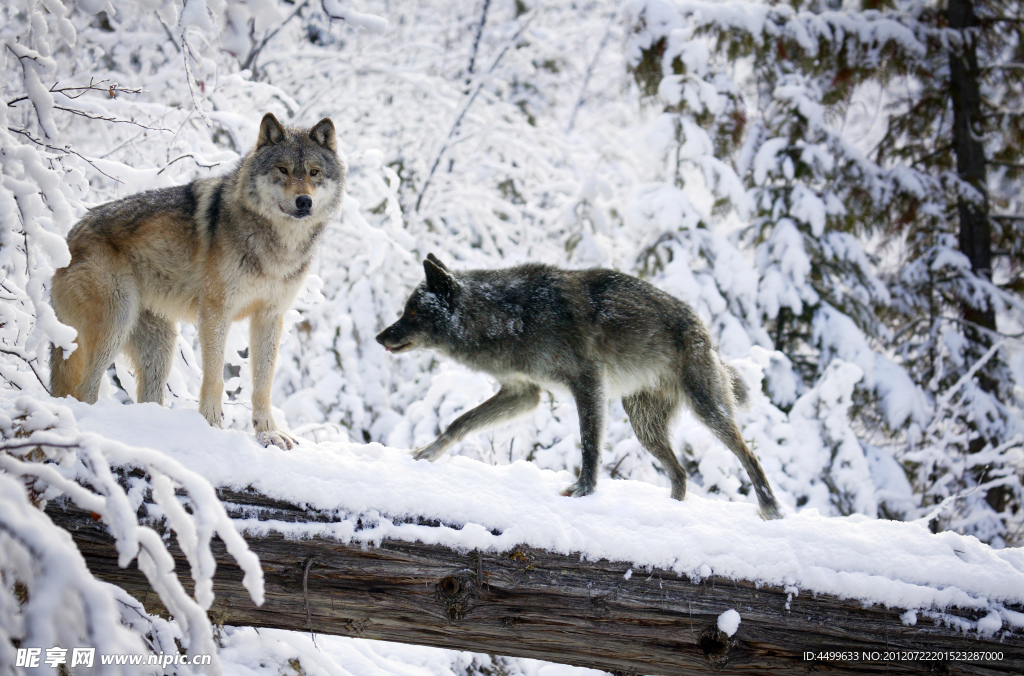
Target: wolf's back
x=124, y=215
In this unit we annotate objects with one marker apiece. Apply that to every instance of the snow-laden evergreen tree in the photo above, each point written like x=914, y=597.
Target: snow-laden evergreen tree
x=808, y=197
x=955, y=135
x=811, y=76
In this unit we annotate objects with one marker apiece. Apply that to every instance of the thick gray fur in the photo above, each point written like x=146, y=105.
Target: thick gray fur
x=211, y=252
x=596, y=333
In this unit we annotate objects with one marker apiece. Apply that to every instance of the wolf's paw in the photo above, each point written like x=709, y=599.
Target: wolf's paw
x=427, y=453
x=578, y=490
x=213, y=413
x=277, y=438
x=770, y=512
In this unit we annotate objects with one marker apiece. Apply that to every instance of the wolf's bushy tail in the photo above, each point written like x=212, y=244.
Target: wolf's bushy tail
x=739, y=388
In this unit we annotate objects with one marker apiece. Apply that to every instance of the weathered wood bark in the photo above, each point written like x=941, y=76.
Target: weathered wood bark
x=533, y=603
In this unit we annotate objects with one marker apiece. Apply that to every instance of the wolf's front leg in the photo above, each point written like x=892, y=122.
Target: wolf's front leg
x=588, y=390
x=511, y=401
x=264, y=339
x=213, y=334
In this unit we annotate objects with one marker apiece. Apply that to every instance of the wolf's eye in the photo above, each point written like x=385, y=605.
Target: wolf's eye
x=314, y=172
x=412, y=313
x=283, y=170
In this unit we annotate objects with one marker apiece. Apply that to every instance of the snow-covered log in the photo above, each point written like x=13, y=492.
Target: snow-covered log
x=564, y=608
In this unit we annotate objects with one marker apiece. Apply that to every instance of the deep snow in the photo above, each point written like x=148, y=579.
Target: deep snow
x=494, y=508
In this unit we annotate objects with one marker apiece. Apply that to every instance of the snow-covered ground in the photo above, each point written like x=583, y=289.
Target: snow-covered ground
x=494, y=508
x=251, y=652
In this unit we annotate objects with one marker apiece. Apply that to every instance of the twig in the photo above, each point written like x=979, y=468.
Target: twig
x=30, y=365
x=128, y=141
x=170, y=35
x=190, y=78
x=614, y=471
x=181, y=157
x=1011, y=165
x=11, y=382
x=103, y=118
x=67, y=150
x=33, y=444
x=590, y=72
x=466, y=106
x=113, y=90
x=24, y=71
x=942, y=401
x=476, y=44
x=254, y=53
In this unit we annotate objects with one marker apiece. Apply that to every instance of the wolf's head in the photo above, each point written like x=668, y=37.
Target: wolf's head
x=427, y=316
x=295, y=174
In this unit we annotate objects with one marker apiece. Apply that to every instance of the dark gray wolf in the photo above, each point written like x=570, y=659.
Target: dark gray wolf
x=213, y=251
x=597, y=333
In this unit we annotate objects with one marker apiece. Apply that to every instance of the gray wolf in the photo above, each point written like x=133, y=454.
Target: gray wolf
x=213, y=251
x=596, y=333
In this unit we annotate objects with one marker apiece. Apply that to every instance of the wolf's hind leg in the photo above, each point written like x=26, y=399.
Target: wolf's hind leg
x=650, y=413
x=511, y=401
x=65, y=374
x=151, y=349
x=707, y=396
x=109, y=326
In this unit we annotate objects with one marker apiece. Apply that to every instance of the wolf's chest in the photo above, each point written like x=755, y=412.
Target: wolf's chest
x=249, y=290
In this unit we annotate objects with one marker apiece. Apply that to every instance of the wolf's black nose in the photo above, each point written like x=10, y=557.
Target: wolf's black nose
x=303, y=202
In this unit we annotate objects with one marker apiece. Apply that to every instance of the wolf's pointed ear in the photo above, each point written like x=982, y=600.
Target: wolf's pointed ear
x=323, y=133
x=436, y=261
x=439, y=281
x=271, y=131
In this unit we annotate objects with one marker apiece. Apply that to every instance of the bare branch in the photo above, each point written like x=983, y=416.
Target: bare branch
x=170, y=36
x=194, y=159
x=590, y=71
x=22, y=357
x=465, y=108
x=112, y=90
x=1011, y=165
x=104, y=118
x=186, y=52
x=254, y=53
x=39, y=116
x=33, y=444
x=476, y=44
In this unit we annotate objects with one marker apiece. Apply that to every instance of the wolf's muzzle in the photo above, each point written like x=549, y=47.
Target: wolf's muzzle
x=392, y=342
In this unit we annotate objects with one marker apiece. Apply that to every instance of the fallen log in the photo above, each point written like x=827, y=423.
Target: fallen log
x=533, y=603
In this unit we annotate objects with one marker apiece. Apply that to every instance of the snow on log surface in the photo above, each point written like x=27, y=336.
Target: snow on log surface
x=466, y=555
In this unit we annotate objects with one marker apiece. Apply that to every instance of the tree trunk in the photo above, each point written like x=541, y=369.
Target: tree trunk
x=538, y=604
x=975, y=233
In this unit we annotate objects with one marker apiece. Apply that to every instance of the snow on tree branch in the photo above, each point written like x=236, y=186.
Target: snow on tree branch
x=42, y=447
x=368, y=22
